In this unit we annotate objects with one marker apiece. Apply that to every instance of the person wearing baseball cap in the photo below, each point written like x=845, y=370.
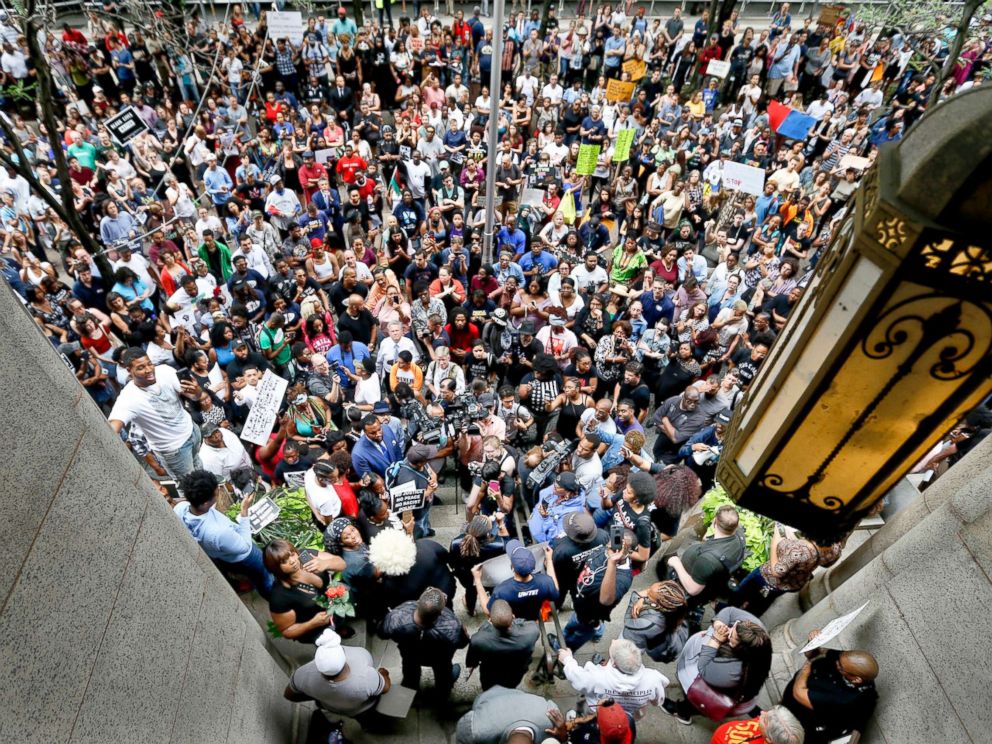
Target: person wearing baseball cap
x=554, y=503
x=581, y=535
x=526, y=590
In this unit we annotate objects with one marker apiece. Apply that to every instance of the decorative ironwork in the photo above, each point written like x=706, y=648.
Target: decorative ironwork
x=969, y=261
x=870, y=185
x=891, y=233
x=942, y=327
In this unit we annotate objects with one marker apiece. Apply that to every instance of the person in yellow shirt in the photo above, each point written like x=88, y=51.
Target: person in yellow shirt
x=404, y=370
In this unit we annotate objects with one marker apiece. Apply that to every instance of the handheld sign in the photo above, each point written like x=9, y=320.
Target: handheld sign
x=262, y=514
x=832, y=629
x=619, y=91
x=718, y=68
x=286, y=24
x=585, y=165
x=406, y=497
x=746, y=178
x=636, y=68
x=264, y=410
x=621, y=151
x=126, y=126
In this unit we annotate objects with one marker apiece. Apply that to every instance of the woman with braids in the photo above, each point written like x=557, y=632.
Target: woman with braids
x=732, y=658
x=309, y=414
x=479, y=542
x=655, y=621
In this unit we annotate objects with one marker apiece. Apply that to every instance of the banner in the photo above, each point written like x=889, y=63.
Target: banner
x=262, y=416
x=618, y=91
x=636, y=68
x=621, y=150
x=746, y=178
x=718, y=68
x=588, y=158
x=286, y=24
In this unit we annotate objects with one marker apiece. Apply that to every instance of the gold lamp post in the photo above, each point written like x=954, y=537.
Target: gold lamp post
x=890, y=343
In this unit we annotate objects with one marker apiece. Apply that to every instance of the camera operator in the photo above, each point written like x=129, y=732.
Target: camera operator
x=470, y=444
x=497, y=464
x=521, y=426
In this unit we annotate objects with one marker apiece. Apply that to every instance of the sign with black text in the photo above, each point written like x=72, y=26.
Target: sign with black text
x=126, y=126
x=406, y=497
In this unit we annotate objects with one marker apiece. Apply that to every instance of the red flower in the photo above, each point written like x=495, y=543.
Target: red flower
x=335, y=591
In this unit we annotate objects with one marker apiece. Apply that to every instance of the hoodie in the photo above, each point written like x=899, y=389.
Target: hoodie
x=219, y=537
x=631, y=691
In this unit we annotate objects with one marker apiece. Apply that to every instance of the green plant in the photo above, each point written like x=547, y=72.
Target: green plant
x=21, y=92
x=295, y=521
x=757, y=529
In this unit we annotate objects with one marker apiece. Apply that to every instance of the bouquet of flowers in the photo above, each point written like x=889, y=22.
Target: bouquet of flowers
x=337, y=600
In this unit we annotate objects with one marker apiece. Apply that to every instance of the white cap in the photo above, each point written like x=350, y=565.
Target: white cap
x=330, y=658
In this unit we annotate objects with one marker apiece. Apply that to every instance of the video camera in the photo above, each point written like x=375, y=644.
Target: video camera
x=461, y=416
x=549, y=465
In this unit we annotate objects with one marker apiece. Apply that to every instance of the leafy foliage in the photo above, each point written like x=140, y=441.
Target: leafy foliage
x=757, y=529
x=295, y=522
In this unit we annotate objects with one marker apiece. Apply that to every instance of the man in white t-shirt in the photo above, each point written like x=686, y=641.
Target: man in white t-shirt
x=553, y=90
x=222, y=452
x=323, y=499
x=152, y=400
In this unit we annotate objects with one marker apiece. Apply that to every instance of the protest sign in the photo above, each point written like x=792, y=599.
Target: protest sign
x=740, y=177
x=185, y=318
x=619, y=91
x=636, y=68
x=621, y=150
x=718, y=68
x=588, y=157
x=406, y=497
x=286, y=24
x=853, y=161
x=264, y=410
x=126, y=126
x=322, y=156
x=831, y=630
x=262, y=514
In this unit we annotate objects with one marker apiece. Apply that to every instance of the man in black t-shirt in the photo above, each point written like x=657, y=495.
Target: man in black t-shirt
x=747, y=361
x=603, y=581
x=632, y=388
x=244, y=358
x=833, y=693
x=705, y=567
x=571, y=550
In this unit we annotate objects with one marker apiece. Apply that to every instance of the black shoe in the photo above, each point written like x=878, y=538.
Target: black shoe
x=456, y=672
x=553, y=642
x=430, y=533
x=440, y=479
x=673, y=710
x=437, y=500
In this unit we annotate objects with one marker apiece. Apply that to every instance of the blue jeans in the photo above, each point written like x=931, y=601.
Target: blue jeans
x=254, y=567
x=602, y=517
x=184, y=460
x=578, y=633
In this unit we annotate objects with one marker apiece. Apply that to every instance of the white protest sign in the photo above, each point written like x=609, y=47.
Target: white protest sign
x=262, y=416
x=286, y=24
x=322, y=156
x=126, y=126
x=406, y=497
x=718, y=68
x=262, y=513
x=746, y=178
x=853, y=161
x=831, y=630
x=186, y=318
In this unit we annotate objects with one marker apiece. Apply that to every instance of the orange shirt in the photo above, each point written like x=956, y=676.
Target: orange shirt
x=739, y=732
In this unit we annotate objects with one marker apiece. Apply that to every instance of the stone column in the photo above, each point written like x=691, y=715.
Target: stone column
x=930, y=597
x=116, y=627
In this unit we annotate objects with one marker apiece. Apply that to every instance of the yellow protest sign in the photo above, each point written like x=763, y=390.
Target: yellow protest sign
x=636, y=68
x=588, y=157
x=619, y=91
x=621, y=151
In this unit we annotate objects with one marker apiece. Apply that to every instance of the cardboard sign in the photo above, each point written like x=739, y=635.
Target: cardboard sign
x=718, y=68
x=271, y=391
x=588, y=157
x=619, y=91
x=406, y=497
x=286, y=24
x=322, y=156
x=853, y=161
x=621, y=150
x=746, y=178
x=126, y=126
x=636, y=68
x=832, y=629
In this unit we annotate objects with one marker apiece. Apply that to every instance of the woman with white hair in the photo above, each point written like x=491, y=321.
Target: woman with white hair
x=624, y=678
x=776, y=725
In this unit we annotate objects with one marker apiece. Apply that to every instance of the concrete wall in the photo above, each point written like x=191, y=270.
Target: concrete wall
x=930, y=597
x=114, y=626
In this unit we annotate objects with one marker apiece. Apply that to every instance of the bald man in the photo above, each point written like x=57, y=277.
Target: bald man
x=833, y=694
x=503, y=647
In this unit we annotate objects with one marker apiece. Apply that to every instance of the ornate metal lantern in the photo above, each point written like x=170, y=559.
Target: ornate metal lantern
x=889, y=345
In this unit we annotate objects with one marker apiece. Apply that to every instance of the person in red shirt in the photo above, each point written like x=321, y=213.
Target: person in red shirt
x=311, y=172
x=773, y=726
x=461, y=333
x=462, y=29
x=73, y=36
x=709, y=53
x=350, y=164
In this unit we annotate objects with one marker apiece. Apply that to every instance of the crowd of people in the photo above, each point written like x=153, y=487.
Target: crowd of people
x=315, y=210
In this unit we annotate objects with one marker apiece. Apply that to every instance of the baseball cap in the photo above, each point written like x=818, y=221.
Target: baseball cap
x=580, y=526
x=239, y=343
x=418, y=454
x=307, y=154
x=723, y=417
x=521, y=559
x=527, y=327
x=380, y=406
x=208, y=428
x=614, y=726
x=275, y=179
x=568, y=481
x=738, y=122
x=443, y=165
x=499, y=316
